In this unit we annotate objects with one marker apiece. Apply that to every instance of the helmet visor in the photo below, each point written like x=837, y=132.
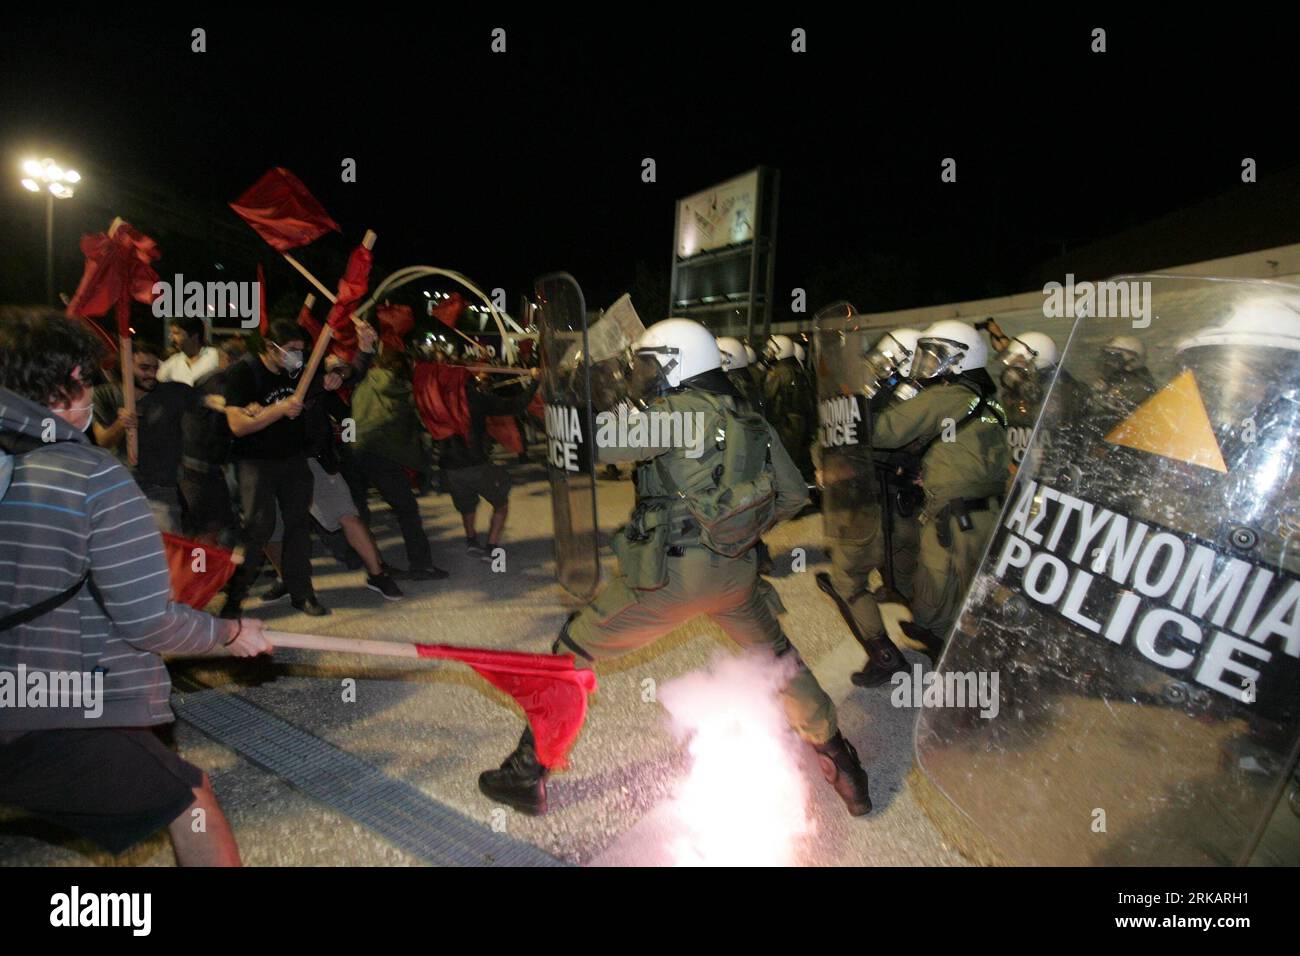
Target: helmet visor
x=935, y=357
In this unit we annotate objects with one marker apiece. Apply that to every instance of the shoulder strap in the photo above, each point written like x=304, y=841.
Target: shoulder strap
x=972, y=413
x=44, y=607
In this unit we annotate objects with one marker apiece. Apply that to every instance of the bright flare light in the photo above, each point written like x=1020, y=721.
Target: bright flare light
x=31, y=185
x=745, y=801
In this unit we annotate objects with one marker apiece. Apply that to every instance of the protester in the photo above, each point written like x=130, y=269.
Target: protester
x=205, y=451
x=271, y=453
x=332, y=506
x=193, y=358
x=159, y=408
x=84, y=580
x=468, y=471
x=387, y=443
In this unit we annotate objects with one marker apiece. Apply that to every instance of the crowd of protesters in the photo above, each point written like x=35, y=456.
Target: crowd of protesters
x=226, y=453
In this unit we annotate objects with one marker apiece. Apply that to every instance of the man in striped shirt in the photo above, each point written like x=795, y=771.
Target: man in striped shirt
x=85, y=593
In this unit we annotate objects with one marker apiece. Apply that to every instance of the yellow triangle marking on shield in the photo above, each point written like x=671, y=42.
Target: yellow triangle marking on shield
x=1172, y=423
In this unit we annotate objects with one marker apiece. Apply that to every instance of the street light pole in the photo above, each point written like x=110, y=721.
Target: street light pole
x=49, y=248
x=59, y=183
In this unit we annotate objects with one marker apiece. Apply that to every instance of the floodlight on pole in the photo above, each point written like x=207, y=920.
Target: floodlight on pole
x=58, y=184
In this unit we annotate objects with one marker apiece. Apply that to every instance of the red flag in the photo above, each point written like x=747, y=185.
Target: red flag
x=117, y=270
x=282, y=211
x=440, y=398
x=552, y=692
x=308, y=322
x=193, y=587
x=536, y=408
x=352, y=289
x=394, y=322
x=263, y=322
x=505, y=430
x=450, y=311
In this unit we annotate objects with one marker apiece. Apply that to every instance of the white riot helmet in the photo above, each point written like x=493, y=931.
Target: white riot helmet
x=949, y=347
x=799, y=353
x=681, y=348
x=890, y=360
x=1124, y=353
x=1266, y=323
x=1245, y=365
x=733, y=353
x=750, y=353
x=779, y=347
x=1026, y=363
x=1035, y=350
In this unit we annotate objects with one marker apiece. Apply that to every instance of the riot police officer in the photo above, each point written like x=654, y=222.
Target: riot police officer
x=786, y=391
x=1125, y=382
x=866, y=529
x=735, y=362
x=689, y=550
x=956, y=431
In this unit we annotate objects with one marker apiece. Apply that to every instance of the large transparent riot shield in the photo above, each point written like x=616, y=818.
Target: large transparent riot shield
x=848, y=480
x=1122, y=684
x=561, y=315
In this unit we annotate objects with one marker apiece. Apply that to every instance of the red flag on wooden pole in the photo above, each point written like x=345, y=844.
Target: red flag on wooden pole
x=282, y=211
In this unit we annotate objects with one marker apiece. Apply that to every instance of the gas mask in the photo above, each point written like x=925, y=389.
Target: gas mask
x=883, y=362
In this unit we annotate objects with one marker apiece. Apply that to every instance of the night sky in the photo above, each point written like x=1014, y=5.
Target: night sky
x=505, y=166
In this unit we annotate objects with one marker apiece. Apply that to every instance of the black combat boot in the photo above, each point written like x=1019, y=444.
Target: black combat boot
x=884, y=660
x=521, y=780
x=841, y=767
x=932, y=644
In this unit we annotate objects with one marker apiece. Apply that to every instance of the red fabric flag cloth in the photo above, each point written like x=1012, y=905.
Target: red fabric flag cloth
x=196, y=588
x=552, y=692
x=263, y=318
x=282, y=211
x=352, y=289
x=117, y=270
x=450, y=311
x=536, y=407
x=395, y=321
x=440, y=398
x=309, y=322
x=505, y=431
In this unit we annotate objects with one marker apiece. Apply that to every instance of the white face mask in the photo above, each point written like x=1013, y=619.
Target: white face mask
x=291, y=359
x=90, y=415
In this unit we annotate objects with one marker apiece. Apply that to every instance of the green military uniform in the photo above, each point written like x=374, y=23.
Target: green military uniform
x=963, y=479
x=789, y=400
x=667, y=577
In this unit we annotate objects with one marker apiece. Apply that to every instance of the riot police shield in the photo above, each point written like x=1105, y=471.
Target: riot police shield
x=1121, y=686
x=847, y=476
x=561, y=316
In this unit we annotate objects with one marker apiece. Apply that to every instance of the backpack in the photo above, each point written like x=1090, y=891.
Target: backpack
x=12, y=447
x=740, y=507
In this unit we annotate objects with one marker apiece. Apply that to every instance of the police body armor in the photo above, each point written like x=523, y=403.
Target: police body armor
x=723, y=500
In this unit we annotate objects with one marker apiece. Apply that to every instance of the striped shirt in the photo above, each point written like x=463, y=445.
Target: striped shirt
x=72, y=508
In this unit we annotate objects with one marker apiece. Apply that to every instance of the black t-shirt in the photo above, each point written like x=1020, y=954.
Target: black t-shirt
x=206, y=442
x=159, y=413
x=247, y=381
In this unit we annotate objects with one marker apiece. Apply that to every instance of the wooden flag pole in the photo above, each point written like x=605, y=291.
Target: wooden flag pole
x=308, y=276
x=342, y=645
x=323, y=340
x=126, y=360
